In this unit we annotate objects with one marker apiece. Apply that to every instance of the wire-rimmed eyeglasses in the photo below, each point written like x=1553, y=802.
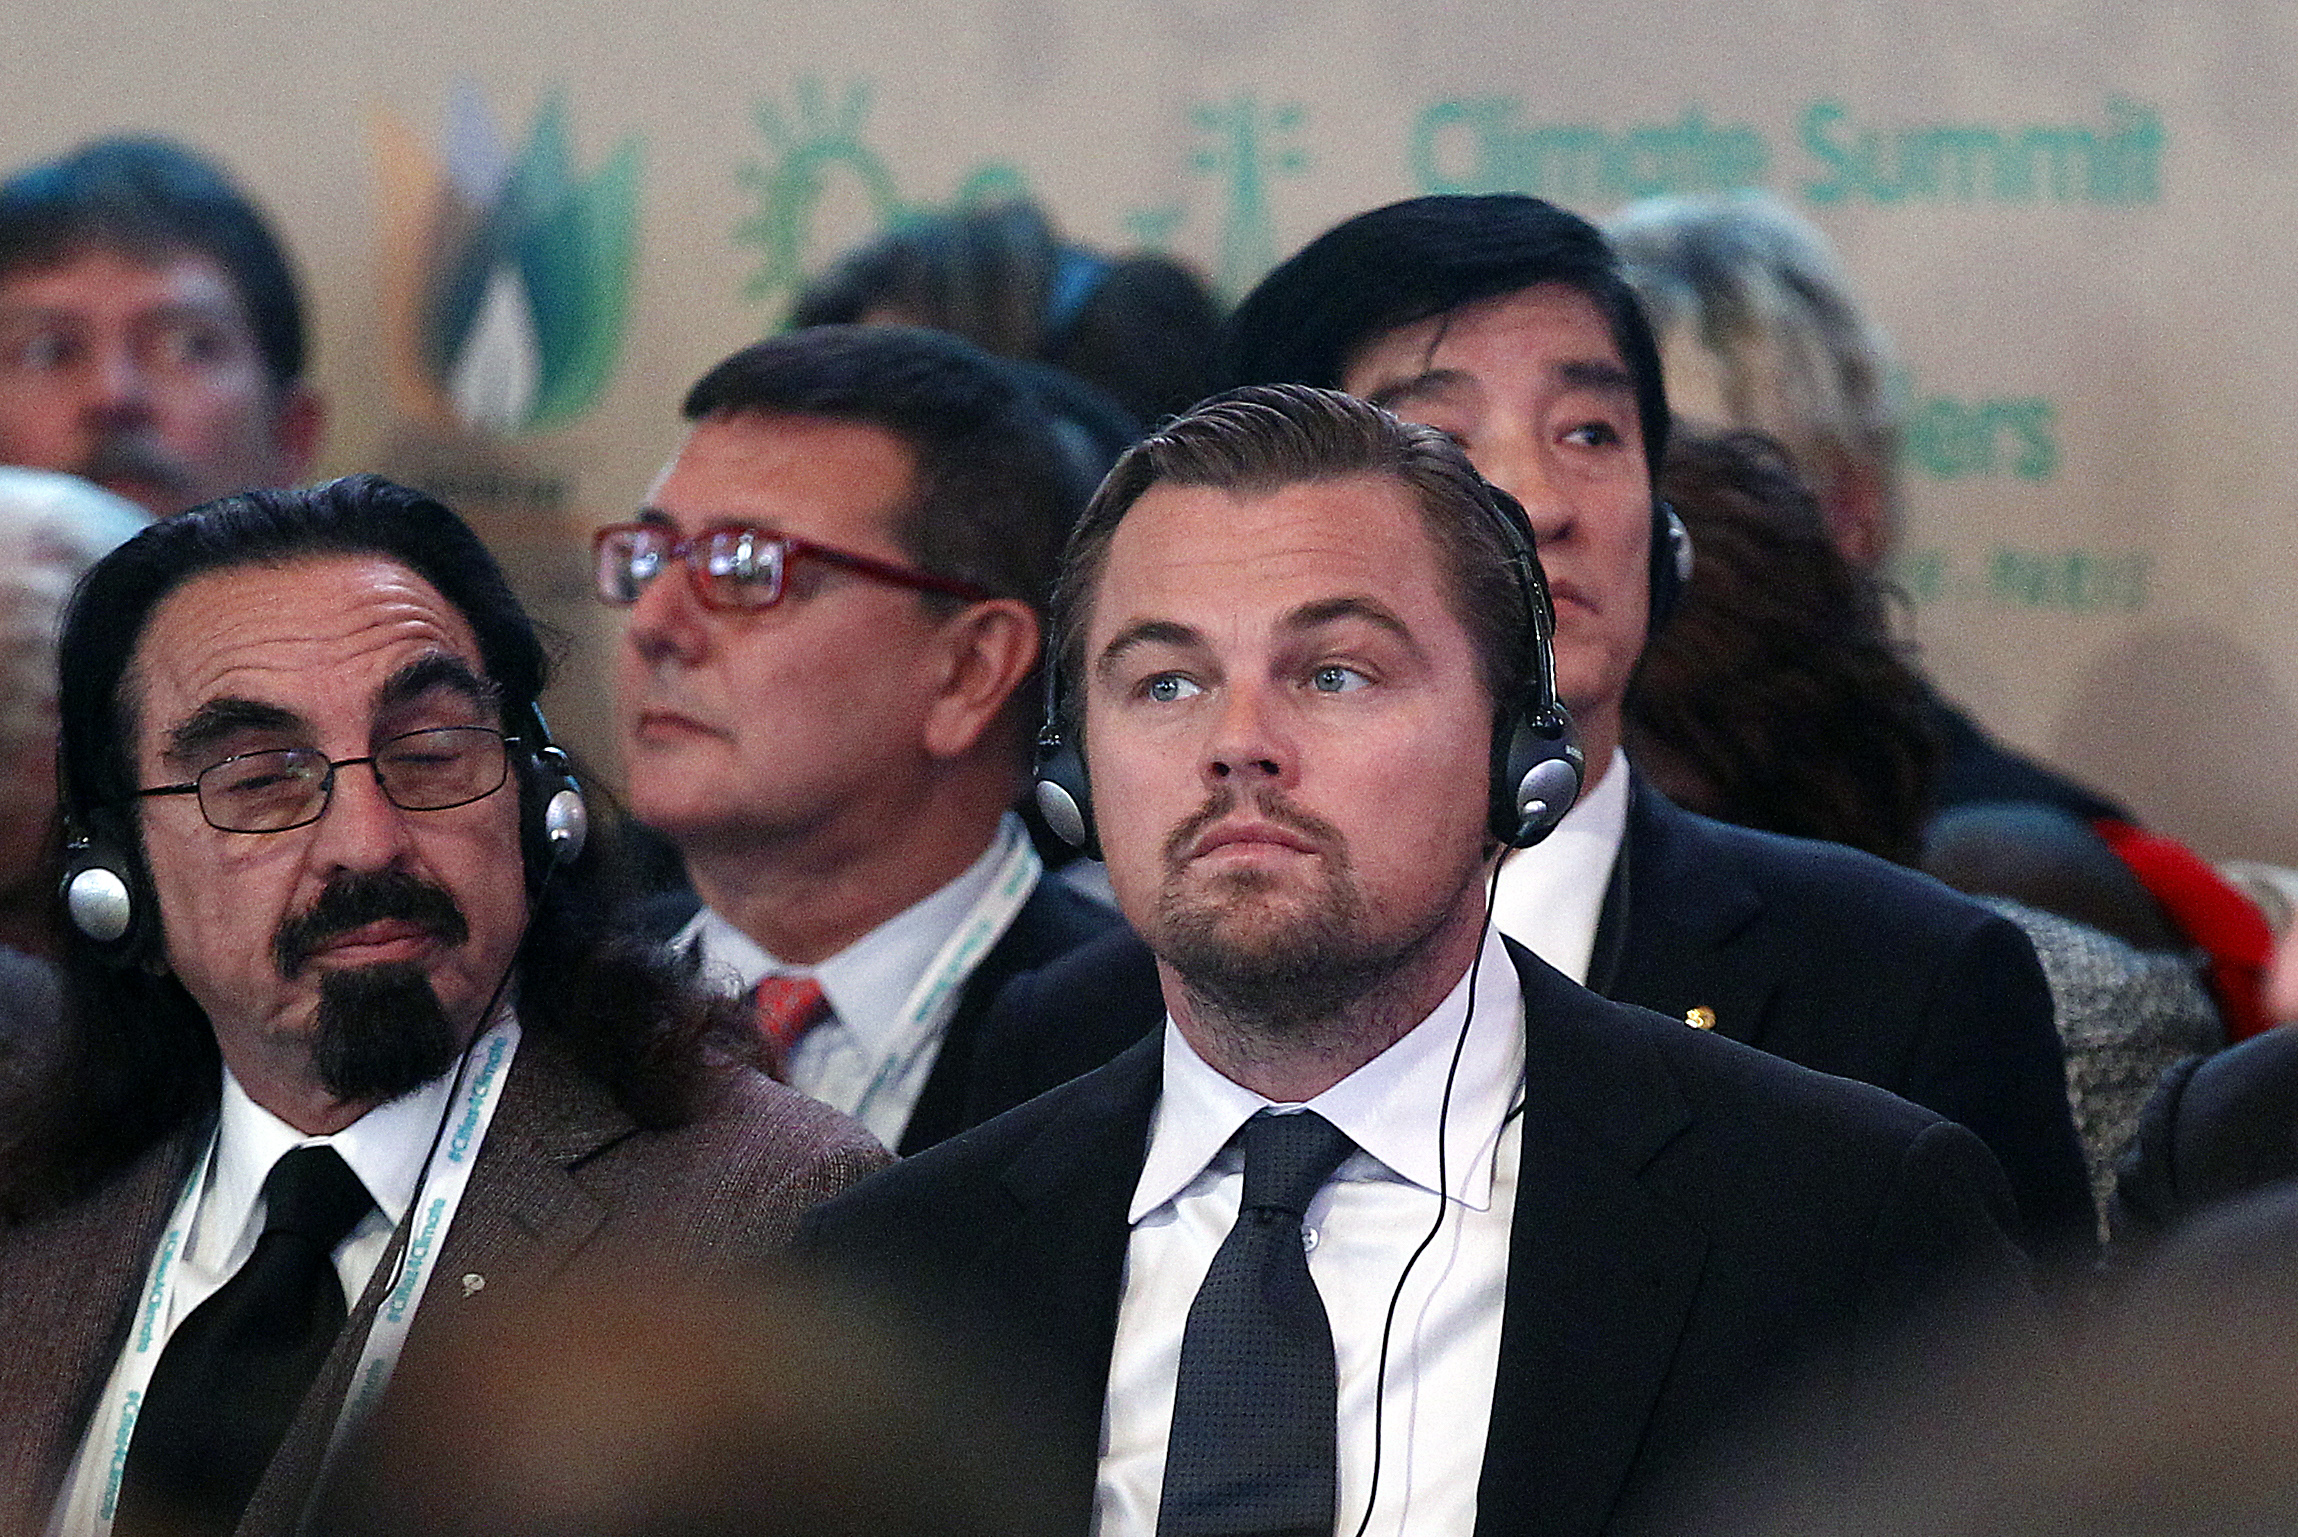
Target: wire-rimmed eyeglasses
x=736, y=565
x=280, y=788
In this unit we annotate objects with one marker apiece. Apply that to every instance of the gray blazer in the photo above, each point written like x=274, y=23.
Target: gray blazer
x=565, y=1177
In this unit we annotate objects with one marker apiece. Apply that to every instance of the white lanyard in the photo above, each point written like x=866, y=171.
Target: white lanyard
x=918, y=1027
x=415, y=1243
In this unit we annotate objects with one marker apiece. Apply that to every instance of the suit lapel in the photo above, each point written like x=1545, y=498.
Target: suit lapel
x=1677, y=922
x=1062, y=1259
x=69, y=1284
x=1601, y=1274
x=522, y=1219
x=940, y=1110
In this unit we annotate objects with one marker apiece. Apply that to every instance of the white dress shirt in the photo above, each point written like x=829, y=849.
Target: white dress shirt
x=1361, y=1230
x=872, y=1056
x=384, y=1147
x=1551, y=895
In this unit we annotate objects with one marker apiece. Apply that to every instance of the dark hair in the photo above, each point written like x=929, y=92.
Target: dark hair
x=1425, y=257
x=996, y=490
x=1778, y=697
x=1140, y=328
x=1263, y=438
x=154, y=198
x=139, y=1056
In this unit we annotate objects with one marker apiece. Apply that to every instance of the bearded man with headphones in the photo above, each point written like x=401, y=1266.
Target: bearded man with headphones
x=1392, y=1228
x=349, y=1056
x=1505, y=322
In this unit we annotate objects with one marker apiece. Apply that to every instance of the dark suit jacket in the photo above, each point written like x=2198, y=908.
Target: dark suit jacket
x=1695, y=1223
x=2217, y=1127
x=564, y=1178
x=1056, y=919
x=1977, y=768
x=1817, y=953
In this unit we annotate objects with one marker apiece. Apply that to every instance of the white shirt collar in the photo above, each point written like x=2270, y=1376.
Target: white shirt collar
x=870, y=980
x=1387, y=1107
x=384, y=1147
x=1551, y=895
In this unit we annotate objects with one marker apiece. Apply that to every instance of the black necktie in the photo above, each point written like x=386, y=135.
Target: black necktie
x=1253, y=1446
x=235, y=1371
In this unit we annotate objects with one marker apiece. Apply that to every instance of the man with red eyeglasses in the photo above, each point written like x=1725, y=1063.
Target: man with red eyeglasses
x=834, y=592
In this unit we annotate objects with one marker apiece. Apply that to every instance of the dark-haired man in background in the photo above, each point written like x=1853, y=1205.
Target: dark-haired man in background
x=350, y=1054
x=151, y=331
x=835, y=588
x=1505, y=322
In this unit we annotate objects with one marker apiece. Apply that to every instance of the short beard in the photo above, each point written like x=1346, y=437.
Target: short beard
x=380, y=1033
x=1275, y=980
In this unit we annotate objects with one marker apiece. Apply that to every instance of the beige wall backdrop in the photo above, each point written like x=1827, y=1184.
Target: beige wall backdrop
x=2075, y=219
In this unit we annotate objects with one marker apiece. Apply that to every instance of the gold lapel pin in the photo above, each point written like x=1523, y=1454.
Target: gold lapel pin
x=1700, y=1017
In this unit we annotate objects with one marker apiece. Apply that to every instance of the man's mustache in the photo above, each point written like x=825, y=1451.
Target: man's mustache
x=129, y=454
x=355, y=899
x=1269, y=803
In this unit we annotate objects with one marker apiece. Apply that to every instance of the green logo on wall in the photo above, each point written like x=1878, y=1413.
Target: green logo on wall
x=515, y=272
x=813, y=149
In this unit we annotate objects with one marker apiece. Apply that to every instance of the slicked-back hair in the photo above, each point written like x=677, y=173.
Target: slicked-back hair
x=138, y=1055
x=996, y=491
x=1260, y=439
x=154, y=199
x=1423, y=258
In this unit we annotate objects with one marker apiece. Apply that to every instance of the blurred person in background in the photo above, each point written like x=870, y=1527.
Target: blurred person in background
x=1760, y=328
x=1779, y=698
x=2220, y=1127
x=1141, y=328
x=826, y=701
x=656, y=1404
x=151, y=328
x=52, y=528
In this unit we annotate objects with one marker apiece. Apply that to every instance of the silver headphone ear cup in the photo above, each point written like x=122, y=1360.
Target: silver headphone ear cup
x=566, y=825
x=1062, y=813
x=1543, y=796
x=99, y=903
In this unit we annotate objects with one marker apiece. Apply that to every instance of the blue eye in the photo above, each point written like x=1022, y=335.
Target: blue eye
x=1167, y=687
x=1332, y=678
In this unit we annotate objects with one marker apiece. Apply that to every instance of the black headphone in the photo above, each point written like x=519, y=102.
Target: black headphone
x=1671, y=565
x=556, y=832
x=107, y=895
x=1536, y=769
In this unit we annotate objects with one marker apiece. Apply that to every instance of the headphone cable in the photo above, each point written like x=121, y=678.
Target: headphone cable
x=1443, y=1198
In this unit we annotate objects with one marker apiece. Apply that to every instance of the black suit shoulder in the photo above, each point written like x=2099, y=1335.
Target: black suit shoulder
x=1065, y=1019
x=1875, y=907
x=1850, y=965
x=1978, y=768
x=2217, y=1127
x=1741, y=1138
x=1057, y=919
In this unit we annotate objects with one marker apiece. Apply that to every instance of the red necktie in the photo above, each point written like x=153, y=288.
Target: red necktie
x=787, y=1007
